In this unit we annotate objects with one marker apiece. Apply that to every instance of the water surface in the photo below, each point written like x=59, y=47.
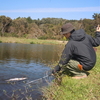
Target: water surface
x=25, y=60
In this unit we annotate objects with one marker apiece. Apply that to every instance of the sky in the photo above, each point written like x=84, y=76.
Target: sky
x=38, y=9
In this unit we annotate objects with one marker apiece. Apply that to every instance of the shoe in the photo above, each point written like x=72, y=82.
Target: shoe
x=79, y=77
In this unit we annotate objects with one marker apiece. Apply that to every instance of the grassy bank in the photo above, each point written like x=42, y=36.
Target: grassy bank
x=28, y=41
x=71, y=89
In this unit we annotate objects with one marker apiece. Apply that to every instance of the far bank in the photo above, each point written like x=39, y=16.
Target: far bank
x=29, y=41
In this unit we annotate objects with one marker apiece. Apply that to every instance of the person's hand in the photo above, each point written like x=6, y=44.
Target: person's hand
x=98, y=28
x=56, y=69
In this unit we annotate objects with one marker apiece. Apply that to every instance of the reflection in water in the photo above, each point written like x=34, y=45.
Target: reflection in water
x=29, y=52
x=25, y=60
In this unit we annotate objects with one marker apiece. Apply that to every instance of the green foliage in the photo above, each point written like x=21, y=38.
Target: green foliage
x=46, y=28
x=0, y=41
x=10, y=35
x=5, y=22
x=32, y=42
x=43, y=37
x=64, y=38
x=29, y=20
x=96, y=17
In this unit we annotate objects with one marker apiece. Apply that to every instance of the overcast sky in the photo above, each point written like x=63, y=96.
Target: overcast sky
x=66, y=9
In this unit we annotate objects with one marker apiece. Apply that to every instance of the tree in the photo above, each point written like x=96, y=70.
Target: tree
x=4, y=23
x=20, y=26
x=96, y=17
x=29, y=20
x=34, y=31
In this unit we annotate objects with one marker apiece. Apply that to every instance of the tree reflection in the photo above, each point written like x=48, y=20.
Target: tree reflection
x=30, y=52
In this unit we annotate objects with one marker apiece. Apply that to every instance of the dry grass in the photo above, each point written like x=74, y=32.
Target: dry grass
x=29, y=41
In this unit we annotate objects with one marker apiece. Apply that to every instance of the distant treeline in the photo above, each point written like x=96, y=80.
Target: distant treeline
x=46, y=28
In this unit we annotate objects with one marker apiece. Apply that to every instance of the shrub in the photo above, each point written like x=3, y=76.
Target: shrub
x=32, y=42
x=0, y=41
x=43, y=37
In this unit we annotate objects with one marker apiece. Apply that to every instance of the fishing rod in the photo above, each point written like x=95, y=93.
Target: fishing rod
x=38, y=79
x=47, y=75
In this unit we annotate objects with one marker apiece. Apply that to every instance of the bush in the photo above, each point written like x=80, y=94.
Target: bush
x=10, y=35
x=43, y=37
x=32, y=42
x=0, y=41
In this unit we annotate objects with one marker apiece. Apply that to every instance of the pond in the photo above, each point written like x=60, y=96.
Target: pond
x=30, y=61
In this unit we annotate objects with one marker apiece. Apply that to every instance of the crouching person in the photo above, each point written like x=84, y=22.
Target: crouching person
x=78, y=56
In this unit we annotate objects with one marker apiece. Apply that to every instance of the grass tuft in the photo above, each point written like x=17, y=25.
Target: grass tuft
x=32, y=42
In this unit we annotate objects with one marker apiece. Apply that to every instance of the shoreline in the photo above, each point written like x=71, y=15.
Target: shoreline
x=29, y=41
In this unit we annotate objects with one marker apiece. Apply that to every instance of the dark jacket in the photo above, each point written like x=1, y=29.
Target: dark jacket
x=80, y=48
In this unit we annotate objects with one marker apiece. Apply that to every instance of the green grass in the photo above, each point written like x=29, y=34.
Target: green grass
x=29, y=41
x=0, y=41
x=72, y=89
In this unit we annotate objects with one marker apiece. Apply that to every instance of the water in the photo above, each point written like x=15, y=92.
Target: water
x=25, y=60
